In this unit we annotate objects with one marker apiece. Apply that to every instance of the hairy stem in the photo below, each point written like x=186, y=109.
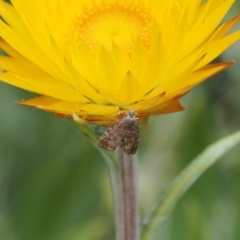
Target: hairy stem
x=129, y=193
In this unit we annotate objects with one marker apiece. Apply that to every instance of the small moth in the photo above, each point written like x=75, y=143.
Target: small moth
x=124, y=132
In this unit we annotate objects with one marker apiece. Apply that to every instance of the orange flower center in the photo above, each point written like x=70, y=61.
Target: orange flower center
x=117, y=22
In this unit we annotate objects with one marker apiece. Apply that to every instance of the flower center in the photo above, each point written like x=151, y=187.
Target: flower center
x=117, y=22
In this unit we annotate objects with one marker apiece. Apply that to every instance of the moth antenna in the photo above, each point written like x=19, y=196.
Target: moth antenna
x=150, y=103
x=124, y=106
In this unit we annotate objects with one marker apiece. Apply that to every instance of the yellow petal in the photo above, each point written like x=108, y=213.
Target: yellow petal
x=129, y=92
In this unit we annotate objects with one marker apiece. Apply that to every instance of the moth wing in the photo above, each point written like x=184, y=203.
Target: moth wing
x=131, y=139
x=112, y=137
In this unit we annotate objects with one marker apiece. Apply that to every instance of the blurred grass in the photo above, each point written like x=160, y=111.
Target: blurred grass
x=50, y=175
x=54, y=184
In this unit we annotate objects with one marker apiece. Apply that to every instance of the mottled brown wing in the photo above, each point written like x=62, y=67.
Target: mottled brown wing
x=112, y=137
x=131, y=139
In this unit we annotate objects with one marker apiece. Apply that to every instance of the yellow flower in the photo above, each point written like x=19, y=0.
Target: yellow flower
x=96, y=59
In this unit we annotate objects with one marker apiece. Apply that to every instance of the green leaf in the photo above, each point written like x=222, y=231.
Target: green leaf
x=185, y=180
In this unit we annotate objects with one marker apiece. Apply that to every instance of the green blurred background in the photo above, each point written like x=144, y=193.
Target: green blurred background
x=54, y=184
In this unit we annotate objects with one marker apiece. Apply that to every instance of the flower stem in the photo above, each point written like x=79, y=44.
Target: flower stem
x=116, y=186
x=129, y=195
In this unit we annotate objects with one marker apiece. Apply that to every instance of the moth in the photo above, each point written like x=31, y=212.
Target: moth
x=124, y=133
